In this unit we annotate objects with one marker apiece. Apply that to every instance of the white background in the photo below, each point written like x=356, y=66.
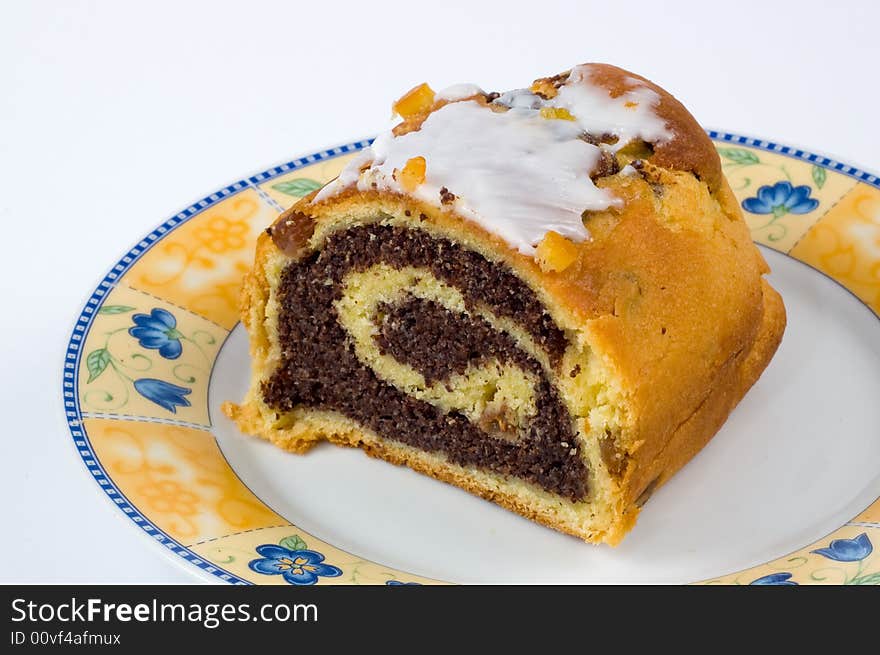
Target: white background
x=116, y=115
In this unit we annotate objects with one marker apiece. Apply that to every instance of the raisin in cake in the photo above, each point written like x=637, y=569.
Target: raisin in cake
x=547, y=297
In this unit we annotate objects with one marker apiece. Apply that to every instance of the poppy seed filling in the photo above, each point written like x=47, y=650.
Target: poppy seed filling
x=320, y=370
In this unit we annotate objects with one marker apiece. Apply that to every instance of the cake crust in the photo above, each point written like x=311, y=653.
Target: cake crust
x=691, y=149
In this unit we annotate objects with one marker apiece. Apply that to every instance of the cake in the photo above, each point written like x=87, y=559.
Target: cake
x=547, y=297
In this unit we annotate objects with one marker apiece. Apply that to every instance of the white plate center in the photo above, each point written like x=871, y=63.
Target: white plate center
x=798, y=458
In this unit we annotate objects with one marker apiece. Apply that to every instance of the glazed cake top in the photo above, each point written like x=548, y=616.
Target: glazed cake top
x=519, y=164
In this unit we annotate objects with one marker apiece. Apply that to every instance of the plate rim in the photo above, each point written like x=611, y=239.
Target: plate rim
x=181, y=554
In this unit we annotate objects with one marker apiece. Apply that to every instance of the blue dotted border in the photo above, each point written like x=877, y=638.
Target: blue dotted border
x=73, y=357
x=797, y=153
x=84, y=322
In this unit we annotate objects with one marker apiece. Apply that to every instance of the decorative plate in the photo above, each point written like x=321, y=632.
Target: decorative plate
x=787, y=492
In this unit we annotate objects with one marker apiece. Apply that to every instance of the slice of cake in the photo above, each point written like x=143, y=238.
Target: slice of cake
x=547, y=297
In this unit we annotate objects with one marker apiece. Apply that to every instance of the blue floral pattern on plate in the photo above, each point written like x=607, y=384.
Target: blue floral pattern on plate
x=780, y=199
x=297, y=567
x=400, y=583
x=164, y=394
x=775, y=579
x=158, y=331
x=847, y=550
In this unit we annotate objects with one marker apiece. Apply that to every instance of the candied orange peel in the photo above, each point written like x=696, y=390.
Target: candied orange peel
x=557, y=113
x=417, y=100
x=555, y=252
x=545, y=87
x=413, y=174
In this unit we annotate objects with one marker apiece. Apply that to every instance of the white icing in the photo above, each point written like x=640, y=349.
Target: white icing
x=458, y=92
x=519, y=176
x=516, y=173
x=628, y=171
x=629, y=116
x=521, y=99
x=352, y=170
